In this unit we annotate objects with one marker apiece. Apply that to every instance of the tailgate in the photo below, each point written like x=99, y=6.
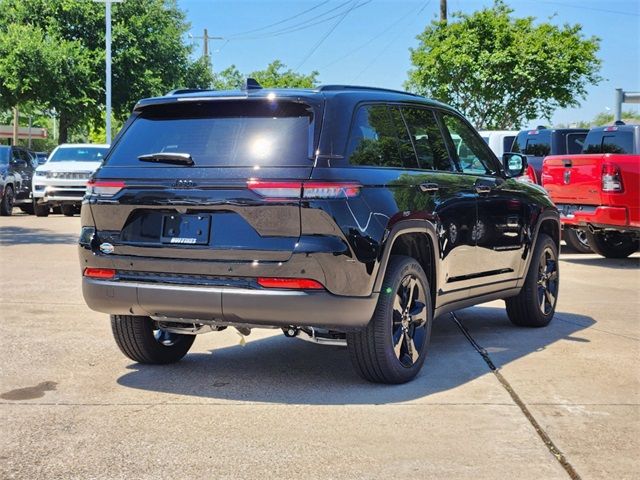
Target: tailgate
x=179, y=182
x=573, y=179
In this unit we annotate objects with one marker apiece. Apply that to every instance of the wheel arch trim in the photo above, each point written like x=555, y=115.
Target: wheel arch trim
x=402, y=228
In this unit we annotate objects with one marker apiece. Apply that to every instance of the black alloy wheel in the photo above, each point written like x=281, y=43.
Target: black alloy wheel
x=409, y=321
x=576, y=239
x=6, y=203
x=547, y=281
x=535, y=304
x=393, y=346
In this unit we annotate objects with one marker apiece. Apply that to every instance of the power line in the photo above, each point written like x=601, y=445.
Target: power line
x=284, y=20
x=382, y=50
x=355, y=5
x=310, y=22
x=582, y=6
x=376, y=36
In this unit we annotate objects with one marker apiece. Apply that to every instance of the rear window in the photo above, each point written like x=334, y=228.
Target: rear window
x=79, y=154
x=223, y=133
x=533, y=142
x=575, y=142
x=614, y=141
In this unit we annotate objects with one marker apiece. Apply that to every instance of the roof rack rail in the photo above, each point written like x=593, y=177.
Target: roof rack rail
x=180, y=91
x=331, y=88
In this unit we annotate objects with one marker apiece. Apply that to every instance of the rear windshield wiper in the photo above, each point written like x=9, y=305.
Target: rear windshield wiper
x=165, y=157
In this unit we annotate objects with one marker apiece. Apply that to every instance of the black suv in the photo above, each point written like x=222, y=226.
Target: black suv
x=339, y=214
x=17, y=165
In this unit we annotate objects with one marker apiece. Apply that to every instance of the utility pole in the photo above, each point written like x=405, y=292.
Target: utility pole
x=16, y=119
x=205, y=44
x=107, y=42
x=443, y=11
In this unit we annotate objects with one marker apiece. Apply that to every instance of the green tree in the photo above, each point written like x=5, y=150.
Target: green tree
x=501, y=71
x=149, y=55
x=276, y=75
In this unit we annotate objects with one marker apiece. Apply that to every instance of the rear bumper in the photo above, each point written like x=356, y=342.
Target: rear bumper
x=279, y=308
x=600, y=216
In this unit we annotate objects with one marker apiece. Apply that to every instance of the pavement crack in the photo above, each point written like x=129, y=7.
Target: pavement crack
x=551, y=446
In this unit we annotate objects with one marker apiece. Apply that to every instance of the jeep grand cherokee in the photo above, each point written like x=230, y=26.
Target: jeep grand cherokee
x=339, y=214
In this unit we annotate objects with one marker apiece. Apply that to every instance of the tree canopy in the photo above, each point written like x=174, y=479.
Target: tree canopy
x=275, y=75
x=501, y=71
x=52, y=55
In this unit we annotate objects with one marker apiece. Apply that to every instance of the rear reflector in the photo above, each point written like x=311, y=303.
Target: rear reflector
x=102, y=273
x=290, y=283
x=104, y=188
x=611, y=178
x=286, y=189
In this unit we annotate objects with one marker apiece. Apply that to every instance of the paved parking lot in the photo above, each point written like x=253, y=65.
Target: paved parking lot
x=71, y=406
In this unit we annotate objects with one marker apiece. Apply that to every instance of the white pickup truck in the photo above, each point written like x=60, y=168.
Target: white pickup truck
x=62, y=180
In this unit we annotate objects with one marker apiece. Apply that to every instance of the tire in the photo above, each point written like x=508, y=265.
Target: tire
x=372, y=349
x=68, y=210
x=576, y=240
x=28, y=209
x=140, y=340
x=536, y=303
x=613, y=244
x=6, y=203
x=40, y=210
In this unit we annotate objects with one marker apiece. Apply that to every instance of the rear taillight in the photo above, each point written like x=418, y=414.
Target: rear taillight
x=611, y=178
x=285, y=189
x=104, y=188
x=529, y=176
x=275, y=189
x=289, y=283
x=101, y=273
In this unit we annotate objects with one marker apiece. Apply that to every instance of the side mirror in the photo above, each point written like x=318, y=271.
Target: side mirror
x=515, y=164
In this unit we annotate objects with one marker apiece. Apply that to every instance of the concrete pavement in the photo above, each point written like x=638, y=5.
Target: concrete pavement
x=72, y=406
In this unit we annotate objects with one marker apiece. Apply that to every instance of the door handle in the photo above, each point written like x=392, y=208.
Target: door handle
x=567, y=162
x=483, y=188
x=429, y=187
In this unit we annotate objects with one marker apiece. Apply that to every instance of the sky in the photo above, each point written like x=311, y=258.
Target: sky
x=370, y=44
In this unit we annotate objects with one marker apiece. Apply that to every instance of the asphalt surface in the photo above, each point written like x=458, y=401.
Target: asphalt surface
x=563, y=401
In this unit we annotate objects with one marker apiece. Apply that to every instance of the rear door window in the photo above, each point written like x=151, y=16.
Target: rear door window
x=427, y=138
x=379, y=138
x=220, y=134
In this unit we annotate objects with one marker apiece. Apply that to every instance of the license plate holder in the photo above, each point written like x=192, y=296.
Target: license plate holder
x=186, y=229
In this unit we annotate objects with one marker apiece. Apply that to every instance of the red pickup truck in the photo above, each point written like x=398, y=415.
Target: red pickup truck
x=598, y=191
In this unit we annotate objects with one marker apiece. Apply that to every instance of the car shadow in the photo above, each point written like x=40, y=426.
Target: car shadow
x=288, y=371
x=26, y=236
x=629, y=263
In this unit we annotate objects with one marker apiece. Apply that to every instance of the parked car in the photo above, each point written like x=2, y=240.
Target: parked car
x=16, y=171
x=343, y=215
x=499, y=141
x=62, y=180
x=598, y=191
x=538, y=143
